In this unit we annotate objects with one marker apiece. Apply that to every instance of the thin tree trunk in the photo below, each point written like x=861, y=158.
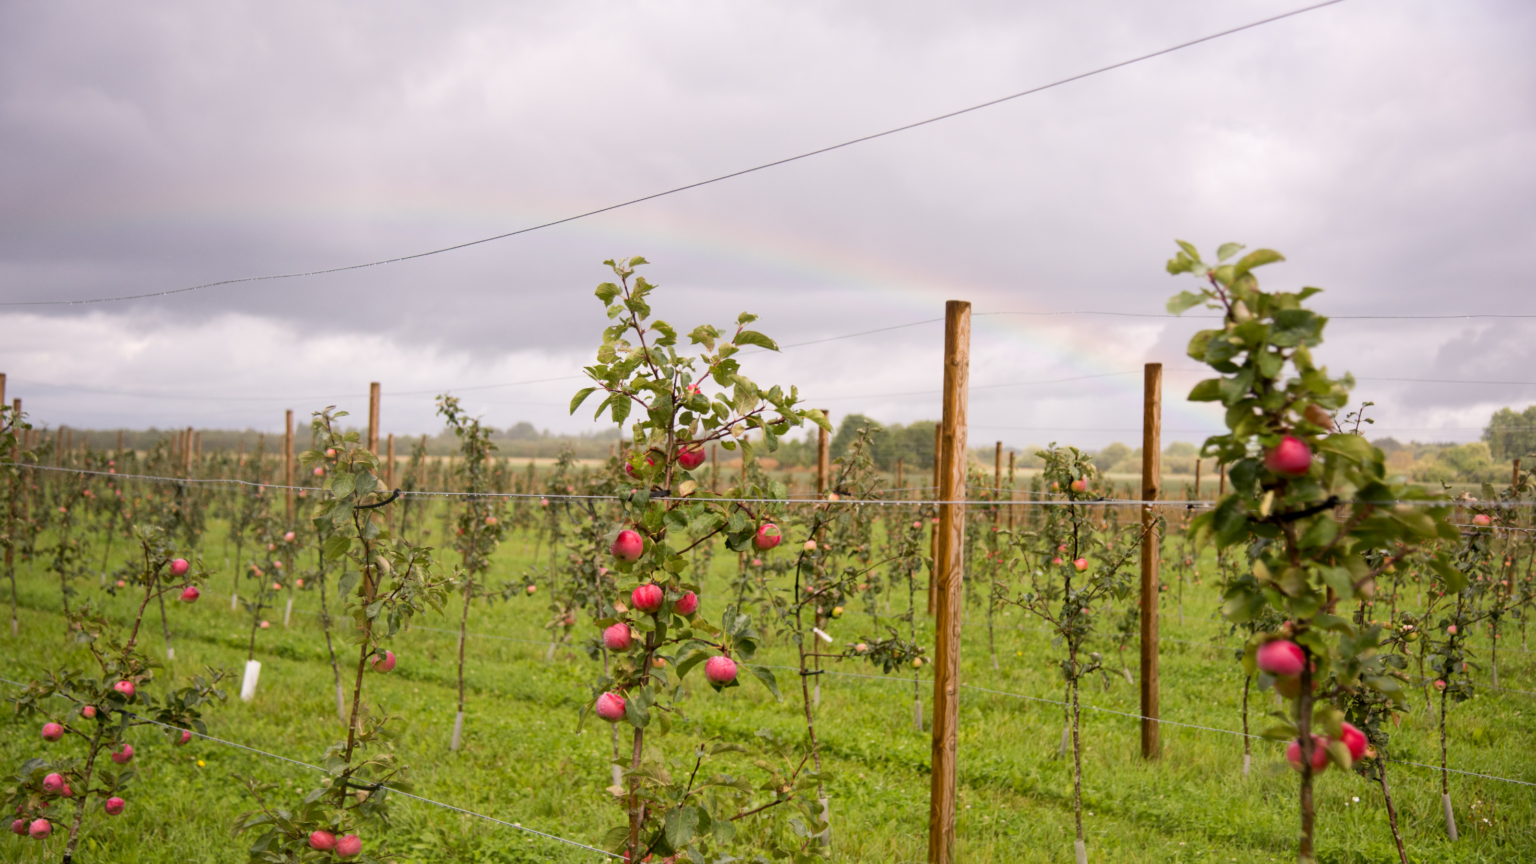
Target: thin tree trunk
x=1304, y=728
x=1445, y=777
x=1247, y=742
x=1077, y=765
x=80, y=799
x=1391, y=810
x=458, y=720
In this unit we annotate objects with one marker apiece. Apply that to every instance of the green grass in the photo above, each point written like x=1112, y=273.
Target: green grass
x=523, y=760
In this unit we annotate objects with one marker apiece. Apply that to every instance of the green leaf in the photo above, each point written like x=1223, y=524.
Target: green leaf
x=765, y=675
x=581, y=397
x=752, y=337
x=1183, y=301
x=1455, y=580
x=1256, y=258
x=1227, y=250
x=680, y=825
x=606, y=292
x=1208, y=390
x=336, y=547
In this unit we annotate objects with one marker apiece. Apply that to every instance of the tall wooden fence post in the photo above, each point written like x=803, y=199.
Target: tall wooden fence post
x=373, y=418
x=389, y=461
x=1151, y=483
x=949, y=569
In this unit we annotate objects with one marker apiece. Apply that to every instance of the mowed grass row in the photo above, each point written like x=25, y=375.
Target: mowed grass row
x=524, y=760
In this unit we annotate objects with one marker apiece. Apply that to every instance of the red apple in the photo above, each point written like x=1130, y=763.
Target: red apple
x=1481, y=520
x=288, y=538
x=1081, y=564
x=617, y=637
x=768, y=536
x=266, y=624
x=686, y=604
x=125, y=687
x=191, y=594
x=1355, y=740
x=323, y=841
x=690, y=457
x=52, y=731
x=319, y=472
x=114, y=806
x=720, y=670
x=610, y=707
x=533, y=589
x=1439, y=685
x=40, y=829
x=19, y=827
x=179, y=568
x=184, y=737
x=1290, y=458
x=647, y=598
x=1319, y=754
x=88, y=712
x=53, y=784
x=490, y=521
x=1281, y=658
x=1079, y=485
x=349, y=846
x=628, y=546
x=123, y=756
x=1055, y=560
x=385, y=665
x=330, y=453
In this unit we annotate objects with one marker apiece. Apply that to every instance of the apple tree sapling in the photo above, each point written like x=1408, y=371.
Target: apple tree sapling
x=385, y=582
x=668, y=512
x=88, y=714
x=1314, y=506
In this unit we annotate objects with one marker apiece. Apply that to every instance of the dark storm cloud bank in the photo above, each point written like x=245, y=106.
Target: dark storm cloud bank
x=1383, y=148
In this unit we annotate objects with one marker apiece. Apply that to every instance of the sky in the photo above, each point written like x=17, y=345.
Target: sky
x=1385, y=148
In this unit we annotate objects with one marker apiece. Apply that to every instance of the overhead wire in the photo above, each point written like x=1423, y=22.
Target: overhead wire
x=677, y=189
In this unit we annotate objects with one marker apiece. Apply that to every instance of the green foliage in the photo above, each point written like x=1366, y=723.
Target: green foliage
x=1511, y=434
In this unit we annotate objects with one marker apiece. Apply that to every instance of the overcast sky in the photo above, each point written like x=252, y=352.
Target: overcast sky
x=1384, y=146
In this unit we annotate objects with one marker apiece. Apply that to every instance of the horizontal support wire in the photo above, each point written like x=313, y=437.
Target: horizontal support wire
x=872, y=502
x=391, y=789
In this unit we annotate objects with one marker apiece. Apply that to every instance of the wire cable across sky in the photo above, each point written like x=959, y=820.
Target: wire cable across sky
x=675, y=190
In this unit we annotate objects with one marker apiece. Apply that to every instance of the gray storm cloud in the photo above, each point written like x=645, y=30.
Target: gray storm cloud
x=1383, y=147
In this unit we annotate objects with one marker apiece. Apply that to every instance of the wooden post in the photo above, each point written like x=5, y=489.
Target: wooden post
x=901, y=488
x=1151, y=481
x=389, y=461
x=1513, y=480
x=950, y=571
x=119, y=441
x=373, y=418
x=823, y=457
x=933, y=534
x=197, y=445
x=288, y=467
x=186, y=452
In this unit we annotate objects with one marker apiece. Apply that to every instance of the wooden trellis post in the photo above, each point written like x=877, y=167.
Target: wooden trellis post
x=949, y=571
x=823, y=457
x=373, y=418
x=1151, y=482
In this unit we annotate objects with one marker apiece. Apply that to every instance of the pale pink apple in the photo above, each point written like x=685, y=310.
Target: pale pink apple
x=52, y=731
x=1355, y=740
x=288, y=538
x=323, y=841
x=88, y=712
x=123, y=756
x=1079, y=485
x=610, y=707
x=686, y=604
x=190, y=594
x=720, y=670
x=385, y=665
x=690, y=457
x=1319, y=754
x=40, y=829
x=179, y=568
x=114, y=806
x=617, y=637
x=1281, y=658
x=330, y=453
x=266, y=624
x=1081, y=564
x=349, y=846
x=767, y=537
x=1481, y=520
x=647, y=598
x=532, y=589
x=1290, y=458
x=490, y=521
x=810, y=545
x=1055, y=560
x=628, y=546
